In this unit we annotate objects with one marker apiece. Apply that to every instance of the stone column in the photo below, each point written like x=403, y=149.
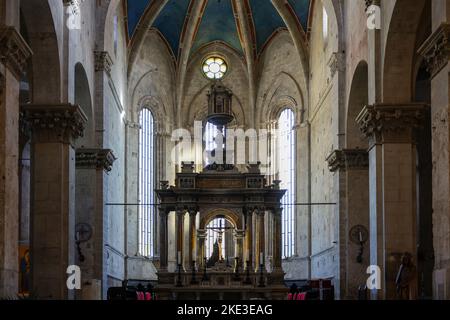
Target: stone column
x=179, y=225
x=276, y=238
x=352, y=168
x=163, y=239
x=14, y=53
x=436, y=53
x=54, y=129
x=192, y=237
x=260, y=244
x=249, y=238
x=392, y=185
x=91, y=165
x=201, y=236
x=239, y=246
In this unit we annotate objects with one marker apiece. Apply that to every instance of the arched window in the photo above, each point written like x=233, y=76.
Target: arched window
x=325, y=25
x=215, y=233
x=146, y=182
x=286, y=170
x=210, y=134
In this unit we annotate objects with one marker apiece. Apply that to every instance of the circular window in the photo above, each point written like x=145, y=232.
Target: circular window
x=215, y=68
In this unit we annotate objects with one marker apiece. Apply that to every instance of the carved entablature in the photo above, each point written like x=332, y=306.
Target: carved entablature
x=102, y=159
x=186, y=182
x=348, y=159
x=53, y=123
x=14, y=51
x=103, y=61
x=436, y=50
x=255, y=182
x=395, y=123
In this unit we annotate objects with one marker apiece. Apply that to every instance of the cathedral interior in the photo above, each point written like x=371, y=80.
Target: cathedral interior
x=225, y=149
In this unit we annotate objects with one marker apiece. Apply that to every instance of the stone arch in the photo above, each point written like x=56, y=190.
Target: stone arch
x=232, y=216
x=279, y=97
x=110, y=8
x=399, y=53
x=357, y=100
x=158, y=110
x=43, y=40
x=83, y=98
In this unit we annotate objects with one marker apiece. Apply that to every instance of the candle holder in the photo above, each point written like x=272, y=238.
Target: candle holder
x=193, y=279
x=261, y=276
x=237, y=276
x=205, y=275
x=247, y=274
x=359, y=258
x=179, y=282
x=359, y=235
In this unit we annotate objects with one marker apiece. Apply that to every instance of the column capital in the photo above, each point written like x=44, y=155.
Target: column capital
x=393, y=123
x=103, y=61
x=54, y=123
x=14, y=51
x=102, y=159
x=436, y=49
x=348, y=159
x=163, y=211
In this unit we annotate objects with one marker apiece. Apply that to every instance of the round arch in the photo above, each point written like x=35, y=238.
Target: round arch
x=83, y=98
x=46, y=74
x=233, y=217
x=358, y=98
x=399, y=64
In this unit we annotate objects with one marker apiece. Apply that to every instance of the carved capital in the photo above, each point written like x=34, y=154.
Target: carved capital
x=348, y=159
x=436, y=50
x=53, y=123
x=102, y=159
x=391, y=123
x=14, y=51
x=103, y=61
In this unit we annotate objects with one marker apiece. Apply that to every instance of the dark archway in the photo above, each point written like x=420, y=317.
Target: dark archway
x=424, y=169
x=83, y=98
x=42, y=38
x=358, y=99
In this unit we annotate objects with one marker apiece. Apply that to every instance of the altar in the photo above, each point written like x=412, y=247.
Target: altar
x=238, y=258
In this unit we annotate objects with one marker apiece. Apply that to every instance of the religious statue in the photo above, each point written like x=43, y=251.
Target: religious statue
x=406, y=278
x=215, y=257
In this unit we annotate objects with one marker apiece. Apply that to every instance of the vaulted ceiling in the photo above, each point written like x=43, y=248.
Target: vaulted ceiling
x=219, y=21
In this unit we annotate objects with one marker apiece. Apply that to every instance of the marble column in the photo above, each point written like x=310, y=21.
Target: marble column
x=352, y=169
x=91, y=165
x=179, y=225
x=201, y=236
x=249, y=238
x=14, y=53
x=276, y=239
x=436, y=53
x=261, y=238
x=239, y=246
x=192, y=237
x=163, y=239
x=392, y=184
x=54, y=129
